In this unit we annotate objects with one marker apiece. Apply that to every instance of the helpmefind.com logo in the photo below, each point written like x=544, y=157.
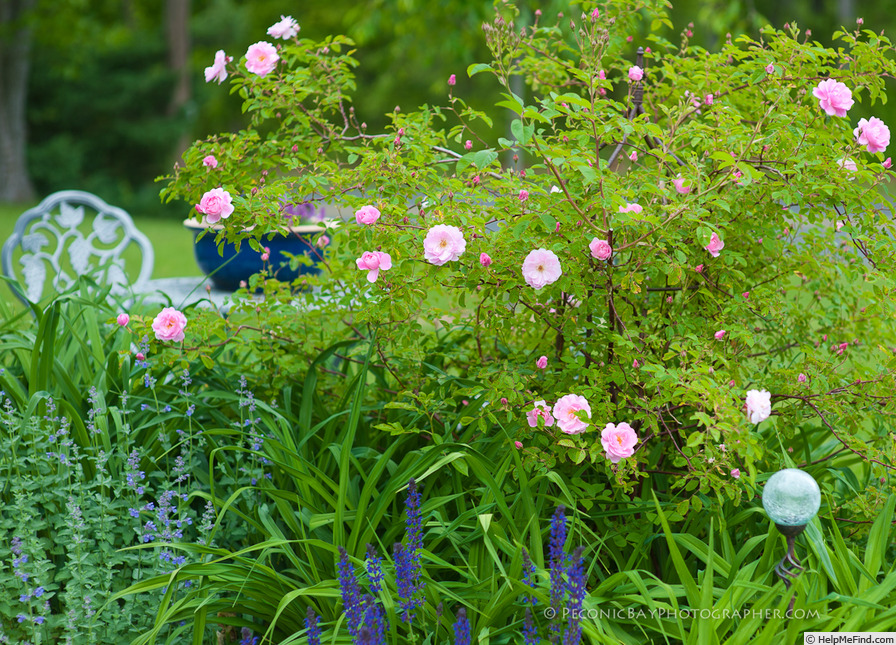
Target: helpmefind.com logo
x=632, y=613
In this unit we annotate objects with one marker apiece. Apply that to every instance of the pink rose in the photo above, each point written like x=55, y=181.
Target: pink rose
x=631, y=208
x=524, y=195
x=678, y=182
x=595, y=14
x=287, y=28
x=261, y=58
x=169, y=325
x=322, y=241
x=468, y=145
x=367, y=215
x=484, y=259
x=373, y=262
x=518, y=444
x=746, y=295
x=801, y=378
x=123, y=320
x=635, y=73
x=759, y=405
x=566, y=411
x=636, y=364
x=140, y=356
x=452, y=80
x=847, y=164
x=218, y=69
x=600, y=249
x=888, y=163
x=699, y=268
x=715, y=245
x=736, y=473
x=708, y=99
x=215, y=205
x=540, y=410
x=872, y=133
x=633, y=156
x=443, y=244
x=770, y=68
x=619, y=441
x=210, y=162
x=833, y=97
x=541, y=267
x=720, y=334
x=542, y=362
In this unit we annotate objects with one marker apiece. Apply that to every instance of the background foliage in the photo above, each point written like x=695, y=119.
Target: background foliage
x=99, y=101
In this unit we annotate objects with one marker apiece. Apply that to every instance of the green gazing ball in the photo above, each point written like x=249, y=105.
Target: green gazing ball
x=791, y=497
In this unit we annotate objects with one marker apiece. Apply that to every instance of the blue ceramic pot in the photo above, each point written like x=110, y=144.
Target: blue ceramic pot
x=228, y=270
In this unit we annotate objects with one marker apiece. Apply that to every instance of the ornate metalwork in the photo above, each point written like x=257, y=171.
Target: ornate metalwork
x=789, y=568
x=73, y=233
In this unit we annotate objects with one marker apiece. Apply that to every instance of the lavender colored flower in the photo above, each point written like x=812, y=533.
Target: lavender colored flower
x=530, y=632
x=374, y=570
x=351, y=594
x=312, y=627
x=404, y=578
x=576, y=585
x=462, y=628
x=247, y=637
x=529, y=576
x=558, y=566
x=412, y=522
x=374, y=621
x=407, y=557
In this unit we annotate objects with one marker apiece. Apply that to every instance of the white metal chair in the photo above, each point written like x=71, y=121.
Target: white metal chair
x=73, y=233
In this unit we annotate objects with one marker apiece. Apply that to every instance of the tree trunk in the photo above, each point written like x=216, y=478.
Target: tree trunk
x=177, y=19
x=15, y=51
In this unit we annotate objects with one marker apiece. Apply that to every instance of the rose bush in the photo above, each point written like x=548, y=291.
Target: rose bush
x=634, y=208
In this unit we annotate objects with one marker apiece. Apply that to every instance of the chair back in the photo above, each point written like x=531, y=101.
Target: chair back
x=73, y=233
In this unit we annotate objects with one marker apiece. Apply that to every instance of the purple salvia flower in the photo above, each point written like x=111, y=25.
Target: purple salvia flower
x=351, y=594
x=530, y=633
x=558, y=566
x=247, y=637
x=529, y=576
x=576, y=586
x=374, y=570
x=462, y=628
x=404, y=580
x=312, y=627
x=374, y=621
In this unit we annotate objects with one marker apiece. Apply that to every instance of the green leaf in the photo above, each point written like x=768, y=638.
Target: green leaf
x=476, y=68
x=522, y=132
x=484, y=158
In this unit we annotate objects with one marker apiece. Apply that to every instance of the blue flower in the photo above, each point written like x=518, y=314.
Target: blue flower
x=374, y=570
x=529, y=576
x=462, y=628
x=530, y=633
x=248, y=639
x=351, y=594
x=374, y=621
x=312, y=627
x=576, y=586
x=407, y=558
x=558, y=566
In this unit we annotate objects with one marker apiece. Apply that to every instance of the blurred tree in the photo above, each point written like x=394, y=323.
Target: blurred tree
x=15, y=48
